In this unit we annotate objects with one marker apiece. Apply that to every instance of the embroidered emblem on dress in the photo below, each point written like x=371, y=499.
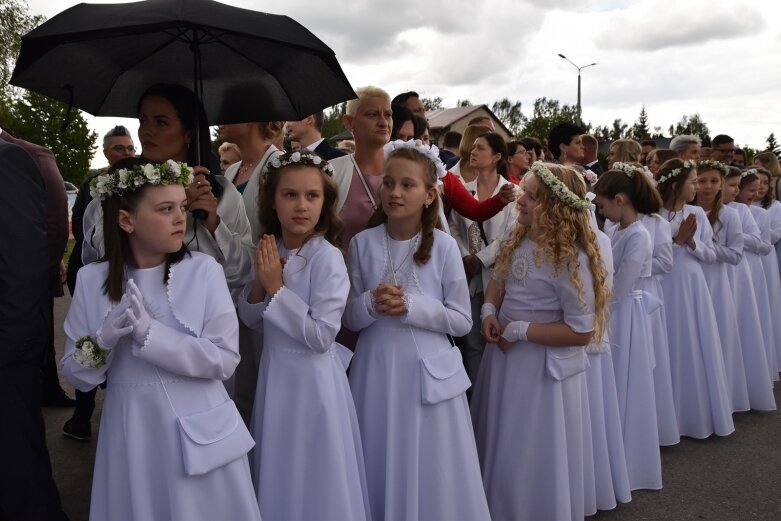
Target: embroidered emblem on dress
x=522, y=265
x=475, y=239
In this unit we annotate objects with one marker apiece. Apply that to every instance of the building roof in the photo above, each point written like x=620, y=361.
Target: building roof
x=443, y=118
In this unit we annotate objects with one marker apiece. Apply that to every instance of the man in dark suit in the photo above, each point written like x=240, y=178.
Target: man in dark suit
x=57, y=238
x=590, y=159
x=308, y=133
x=27, y=490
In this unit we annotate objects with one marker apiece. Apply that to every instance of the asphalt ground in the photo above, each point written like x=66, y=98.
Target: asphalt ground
x=734, y=478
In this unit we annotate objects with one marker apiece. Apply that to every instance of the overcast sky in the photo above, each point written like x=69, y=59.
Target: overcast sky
x=718, y=58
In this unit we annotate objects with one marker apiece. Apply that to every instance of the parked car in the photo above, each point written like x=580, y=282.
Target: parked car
x=71, y=188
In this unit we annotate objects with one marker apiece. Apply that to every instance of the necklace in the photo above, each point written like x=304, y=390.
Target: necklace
x=365, y=184
x=396, y=269
x=246, y=167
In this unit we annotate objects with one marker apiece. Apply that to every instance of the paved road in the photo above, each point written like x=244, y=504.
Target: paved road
x=732, y=478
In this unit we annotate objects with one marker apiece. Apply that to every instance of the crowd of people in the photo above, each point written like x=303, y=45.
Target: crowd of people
x=490, y=330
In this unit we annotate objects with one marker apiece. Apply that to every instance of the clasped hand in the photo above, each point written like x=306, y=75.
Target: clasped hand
x=492, y=332
x=389, y=300
x=200, y=197
x=686, y=231
x=268, y=265
x=127, y=317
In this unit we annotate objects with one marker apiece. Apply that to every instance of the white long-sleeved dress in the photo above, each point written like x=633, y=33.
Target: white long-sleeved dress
x=421, y=460
x=702, y=400
x=308, y=461
x=191, y=347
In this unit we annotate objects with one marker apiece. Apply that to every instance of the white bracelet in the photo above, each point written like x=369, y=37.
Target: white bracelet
x=516, y=331
x=486, y=310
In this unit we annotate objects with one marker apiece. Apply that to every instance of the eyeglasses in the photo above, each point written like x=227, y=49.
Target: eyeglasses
x=119, y=149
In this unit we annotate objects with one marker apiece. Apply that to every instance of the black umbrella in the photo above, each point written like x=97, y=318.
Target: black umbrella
x=244, y=65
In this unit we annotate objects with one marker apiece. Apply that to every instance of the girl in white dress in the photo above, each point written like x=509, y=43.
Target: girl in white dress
x=164, y=344
x=728, y=245
x=551, y=292
x=766, y=200
x=765, y=293
x=753, y=336
x=702, y=401
x=408, y=293
x=621, y=194
x=308, y=462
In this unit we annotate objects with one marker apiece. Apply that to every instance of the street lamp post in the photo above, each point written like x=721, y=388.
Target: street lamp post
x=579, y=69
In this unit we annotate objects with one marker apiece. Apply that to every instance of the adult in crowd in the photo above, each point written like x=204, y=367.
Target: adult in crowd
x=411, y=101
x=646, y=146
x=657, y=157
x=686, y=147
x=565, y=142
x=484, y=121
x=27, y=489
x=769, y=161
x=705, y=153
x=403, y=123
x=739, y=159
x=590, y=159
x=422, y=130
x=117, y=145
x=309, y=134
x=533, y=149
x=256, y=143
x=462, y=168
x=448, y=154
x=52, y=393
x=723, y=149
x=517, y=163
x=229, y=154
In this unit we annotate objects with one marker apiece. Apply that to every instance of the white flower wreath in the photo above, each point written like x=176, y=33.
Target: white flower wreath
x=628, y=169
x=429, y=152
x=687, y=165
x=707, y=164
x=558, y=188
x=297, y=158
x=88, y=354
x=125, y=180
x=749, y=171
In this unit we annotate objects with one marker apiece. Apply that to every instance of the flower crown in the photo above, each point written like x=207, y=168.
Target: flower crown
x=712, y=165
x=429, y=152
x=127, y=180
x=284, y=159
x=687, y=165
x=627, y=168
x=558, y=187
x=749, y=171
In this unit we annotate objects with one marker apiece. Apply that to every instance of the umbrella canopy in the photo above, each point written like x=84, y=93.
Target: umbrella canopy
x=244, y=65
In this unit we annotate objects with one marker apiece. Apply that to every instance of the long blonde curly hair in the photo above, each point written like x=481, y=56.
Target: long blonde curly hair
x=560, y=231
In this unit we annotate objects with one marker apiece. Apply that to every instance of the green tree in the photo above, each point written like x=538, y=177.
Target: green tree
x=38, y=119
x=640, y=130
x=772, y=145
x=15, y=22
x=463, y=103
x=332, y=122
x=509, y=113
x=432, y=103
x=692, y=125
x=548, y=113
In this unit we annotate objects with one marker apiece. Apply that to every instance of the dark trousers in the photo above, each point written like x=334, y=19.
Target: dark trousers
x=27, y=489
x=50, y=381
x=85, y=405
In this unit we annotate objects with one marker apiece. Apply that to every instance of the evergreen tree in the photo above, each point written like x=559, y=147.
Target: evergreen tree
x=692, y=125
x=332, y=122
x=772, y=145
x=640, y=129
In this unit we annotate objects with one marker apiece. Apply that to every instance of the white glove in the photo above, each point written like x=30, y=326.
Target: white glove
x=486, y=310
x=516, y=331
x=115, y=326
x=136, y=313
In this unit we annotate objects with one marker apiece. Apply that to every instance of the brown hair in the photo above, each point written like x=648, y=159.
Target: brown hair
x=638, y=188
x=430, y=218
x=468, y=140
x=718, y=203
x=119, y=254
x=329, y=225
x=767, y=200
x=672, y=188
x=270, y=130
x=561, y=229
x=770, y=162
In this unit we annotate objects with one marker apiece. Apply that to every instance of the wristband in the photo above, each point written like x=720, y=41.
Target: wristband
x=516, y=331
x=486, y=310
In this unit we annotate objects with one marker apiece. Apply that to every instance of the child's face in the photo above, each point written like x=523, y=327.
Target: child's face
x=748, y=194
x=731, y=189
x=764, y=186
x=708, y=185
x=298, y=202
x=528, y=200
x=404, y=191
x=689, y=189
x=611, y=208
x=156, y=227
